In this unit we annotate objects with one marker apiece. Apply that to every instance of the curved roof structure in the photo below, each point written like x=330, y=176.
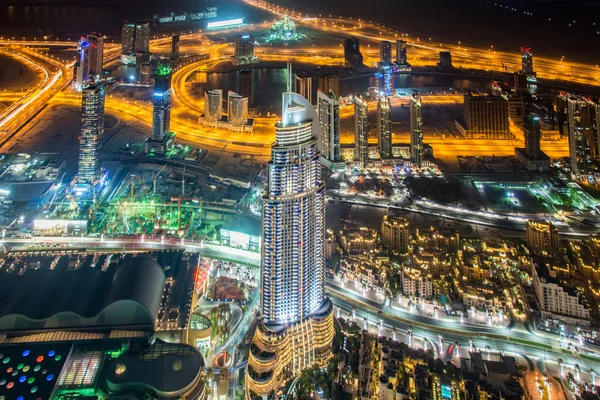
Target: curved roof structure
x=167, y=369
x=84, y=298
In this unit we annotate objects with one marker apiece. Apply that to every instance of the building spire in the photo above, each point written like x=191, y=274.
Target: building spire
x=289, y=76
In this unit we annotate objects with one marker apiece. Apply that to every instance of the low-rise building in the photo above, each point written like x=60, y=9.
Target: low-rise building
x=416, y=282
x=542, y=237
x=367, y=272
x=481, y=296
x=395, y=235
x=557, y=299
x=361, y=241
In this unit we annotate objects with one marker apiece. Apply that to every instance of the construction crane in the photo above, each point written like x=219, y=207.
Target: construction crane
x=179, y=200
x=154, y=179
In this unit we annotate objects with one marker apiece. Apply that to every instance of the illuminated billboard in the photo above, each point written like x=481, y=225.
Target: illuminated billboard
x=240, y=240
x=58, y=227
x=226, y=23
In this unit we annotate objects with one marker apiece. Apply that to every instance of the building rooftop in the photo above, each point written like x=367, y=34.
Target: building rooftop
x=87, y=297
x=168, y=369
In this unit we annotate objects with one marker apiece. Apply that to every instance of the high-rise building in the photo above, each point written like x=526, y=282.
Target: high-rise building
x=385, y=53
x=329, y=83
x=384, y=127
x=245, y=85
x=142, y=38
x=328, y=108
x=127, y=38
x=237, y=108
x=361, y=131
x=486, y=117
x=352, y=54
x=175, y=39
x=542, y=236
x=83, y=61
x=527, y=64
x=445, y=60
x=416, y=130
x=401, y=58
x=531, y=124
x=532, y=156
x=385, y=81
x=303, y=86
x=583, y=122
x=244, y=50
x=395, y=235
x=296, y=327
x=526, y=61
x=92, y=128
x=161, y=116
x=96, y=53
x=213, y=105
x=135, y=38
x=174, y=59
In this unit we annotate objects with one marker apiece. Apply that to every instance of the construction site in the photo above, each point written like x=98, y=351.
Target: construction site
x=174, y=200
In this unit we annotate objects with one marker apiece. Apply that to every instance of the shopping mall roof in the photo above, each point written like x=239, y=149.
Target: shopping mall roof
x=167, y=369
x=83, y=298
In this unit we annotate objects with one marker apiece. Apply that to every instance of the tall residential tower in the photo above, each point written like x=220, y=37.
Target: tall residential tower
x=328, y=108
x=96, y=53
x=92, y=128
x=361, y=131
x=296, y=326
x=416, y=130
x=161, y=112
x=384, y=127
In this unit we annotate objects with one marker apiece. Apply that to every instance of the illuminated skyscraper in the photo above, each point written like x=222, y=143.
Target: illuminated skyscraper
x=527, y=64
x=385, y=53
x=135, y=38
x=328, y=108
x=83, y=63
x=96, y=53
x=244, y=50
x=161, y=116
x=386, y=80
x=142, y=38
x=583, y=119
x=361, y=131
x=416, y=130
x=384, y=127
x=303, y=86
x=526, y=60
x=401, y=52
x=213, y=105
x=296, y=327
x=237, y=108
x=92, y=128
x=531, y=124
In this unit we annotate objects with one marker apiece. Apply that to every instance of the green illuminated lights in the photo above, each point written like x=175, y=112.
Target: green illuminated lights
x=163, y=70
